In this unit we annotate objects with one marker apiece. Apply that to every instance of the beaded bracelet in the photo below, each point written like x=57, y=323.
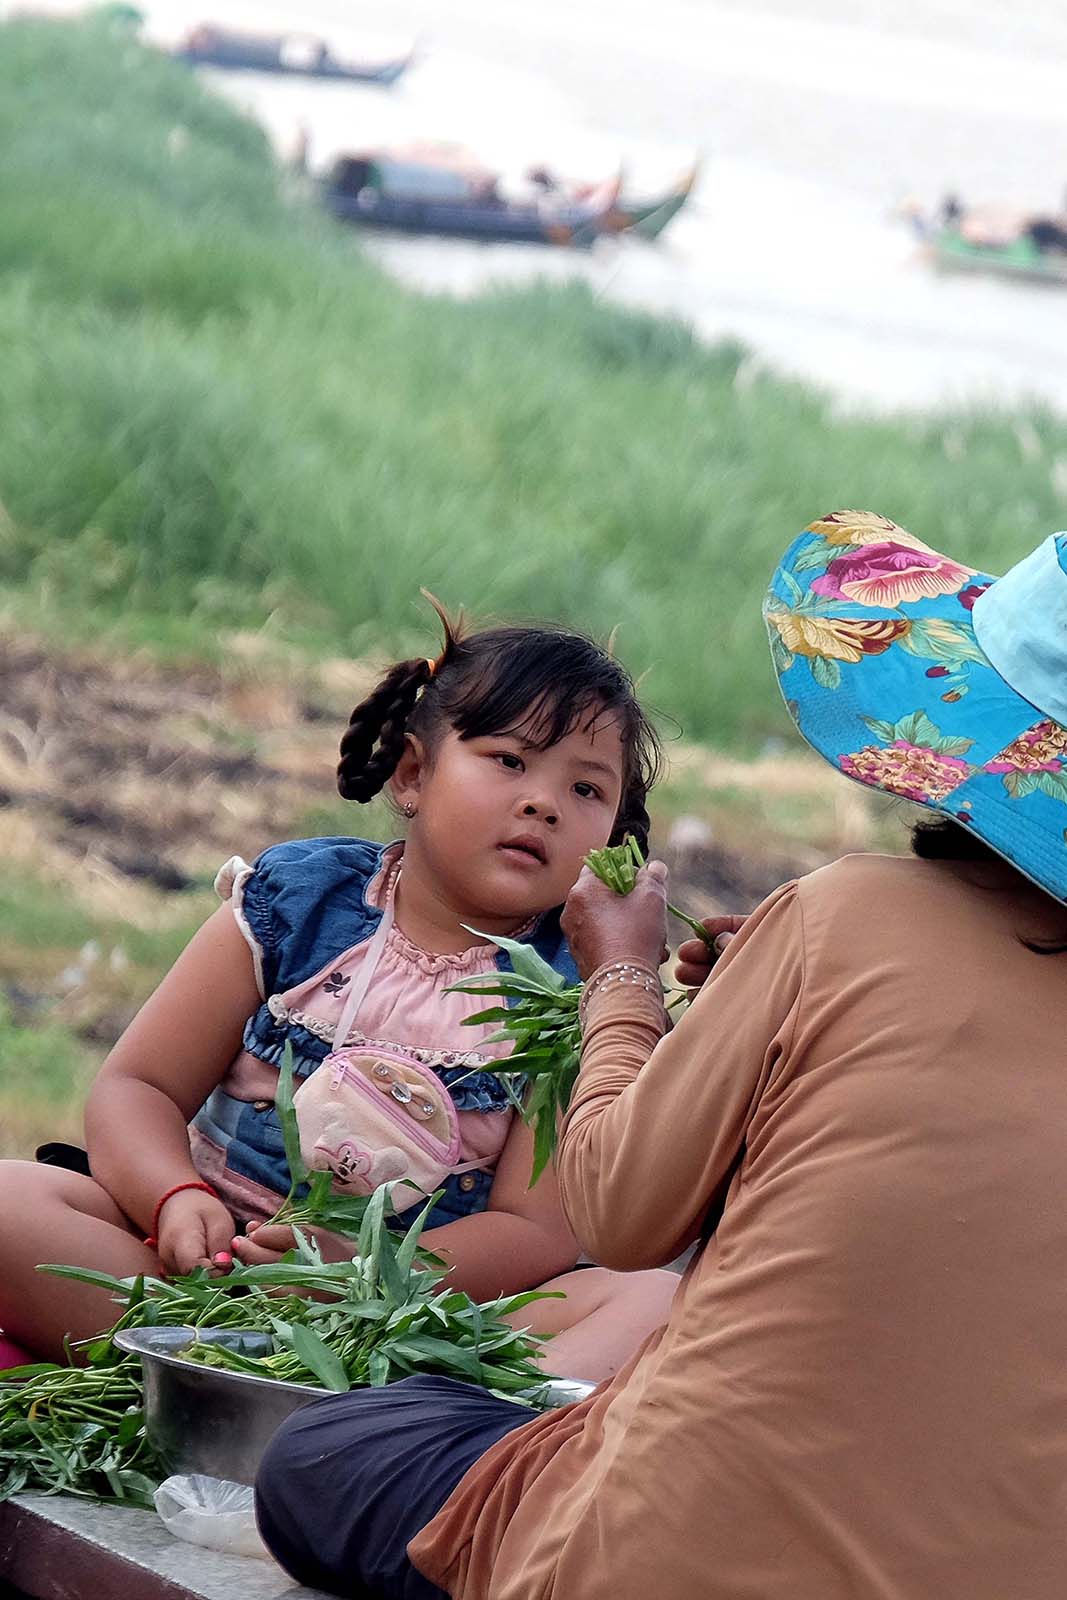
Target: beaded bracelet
x=625, y=973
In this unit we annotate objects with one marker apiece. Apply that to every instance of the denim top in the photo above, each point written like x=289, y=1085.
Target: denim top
x=303, y=905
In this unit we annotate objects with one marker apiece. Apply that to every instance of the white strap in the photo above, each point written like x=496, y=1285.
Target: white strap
x=468, y=1166
x=358, y=991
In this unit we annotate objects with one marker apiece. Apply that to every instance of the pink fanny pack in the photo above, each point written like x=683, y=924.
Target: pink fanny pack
x=371, y=1115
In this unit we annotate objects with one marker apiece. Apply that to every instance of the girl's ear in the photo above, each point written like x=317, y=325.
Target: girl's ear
x=406, y=782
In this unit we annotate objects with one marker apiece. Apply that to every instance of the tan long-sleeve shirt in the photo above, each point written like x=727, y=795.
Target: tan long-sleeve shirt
x=862, y=1390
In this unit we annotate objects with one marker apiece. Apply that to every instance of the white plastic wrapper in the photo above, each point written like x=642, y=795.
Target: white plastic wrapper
x=211, y=1512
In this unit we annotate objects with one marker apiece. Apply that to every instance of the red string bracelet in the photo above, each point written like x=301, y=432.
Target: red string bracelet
x=153, y=1238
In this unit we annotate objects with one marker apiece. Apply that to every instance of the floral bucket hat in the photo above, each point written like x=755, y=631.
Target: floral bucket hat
x=918, y=676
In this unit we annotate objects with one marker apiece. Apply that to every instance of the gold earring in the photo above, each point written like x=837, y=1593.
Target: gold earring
x=409, y=809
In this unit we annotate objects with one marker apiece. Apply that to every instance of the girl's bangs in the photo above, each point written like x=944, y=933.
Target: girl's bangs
x=558, y=714
x=540, y=715
x=539, y=686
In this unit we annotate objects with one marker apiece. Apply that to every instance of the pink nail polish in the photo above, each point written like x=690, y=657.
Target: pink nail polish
x=223, y=1259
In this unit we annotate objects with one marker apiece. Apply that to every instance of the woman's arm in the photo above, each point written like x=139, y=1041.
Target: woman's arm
x=656, y=1125
x=174, y=1052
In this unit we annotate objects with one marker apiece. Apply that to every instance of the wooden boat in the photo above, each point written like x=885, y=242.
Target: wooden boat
x=299, y=54
x=1018, y=258
x=648, y=218
x=439, y=191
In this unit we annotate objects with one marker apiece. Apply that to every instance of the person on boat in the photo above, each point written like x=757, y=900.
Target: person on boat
x=511, y=755
x=990, y=228
x=1048, y=234
x=543, y=179
x=951, y=212
x=860, y=1124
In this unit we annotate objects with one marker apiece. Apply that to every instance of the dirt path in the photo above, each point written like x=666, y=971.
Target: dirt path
x=160, y=772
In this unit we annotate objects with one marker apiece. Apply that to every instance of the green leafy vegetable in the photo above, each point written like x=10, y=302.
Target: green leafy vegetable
x=542, y=1025
x=382, y=1315
x=314, y=1353
x=319, y=1206
x=540, y=1014
x=283, y=1104
x=618, y=865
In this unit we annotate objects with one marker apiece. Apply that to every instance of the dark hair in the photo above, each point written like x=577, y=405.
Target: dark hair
x=941, y=839
x=543, y=682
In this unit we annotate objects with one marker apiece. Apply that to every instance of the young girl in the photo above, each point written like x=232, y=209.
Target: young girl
x=512, y=755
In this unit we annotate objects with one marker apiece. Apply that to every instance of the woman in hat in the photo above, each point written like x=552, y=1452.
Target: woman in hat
x=861, y=1122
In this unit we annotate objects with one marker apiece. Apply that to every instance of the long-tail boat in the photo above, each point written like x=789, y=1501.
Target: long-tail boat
x=299, y=54
x=1018, y=258
x=1001, y=241
x=649, y=217
x=429, y=192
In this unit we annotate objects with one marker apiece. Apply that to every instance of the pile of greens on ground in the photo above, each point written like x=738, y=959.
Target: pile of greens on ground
x=380, y=1316
x=539, y=1016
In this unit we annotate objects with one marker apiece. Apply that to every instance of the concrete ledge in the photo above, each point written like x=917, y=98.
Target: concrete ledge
x=56, y=1547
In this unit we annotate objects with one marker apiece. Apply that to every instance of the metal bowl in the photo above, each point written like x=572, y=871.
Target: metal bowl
x=205, y=1419
x=557, y=1392
x=209, y=1420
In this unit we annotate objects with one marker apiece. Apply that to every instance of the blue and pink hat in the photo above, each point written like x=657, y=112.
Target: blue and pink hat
x=916, y=675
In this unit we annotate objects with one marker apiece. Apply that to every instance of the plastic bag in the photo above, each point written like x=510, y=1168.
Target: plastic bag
x=211, y=1512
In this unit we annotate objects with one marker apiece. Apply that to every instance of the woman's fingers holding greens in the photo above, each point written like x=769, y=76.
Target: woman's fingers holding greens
x=723, y=928
x=692, y=974
x=695, y=959
x=601, y=925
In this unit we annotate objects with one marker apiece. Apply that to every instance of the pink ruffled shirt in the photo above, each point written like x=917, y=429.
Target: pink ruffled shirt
x=408, y=1004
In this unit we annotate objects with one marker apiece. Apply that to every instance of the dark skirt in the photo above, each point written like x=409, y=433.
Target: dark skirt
x=349, y=1480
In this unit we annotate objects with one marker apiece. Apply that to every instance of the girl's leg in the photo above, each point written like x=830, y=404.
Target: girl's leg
x=49, y=1214
x=604, y=1318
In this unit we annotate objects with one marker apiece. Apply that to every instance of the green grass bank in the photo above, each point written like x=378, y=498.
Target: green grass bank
x=216, y=415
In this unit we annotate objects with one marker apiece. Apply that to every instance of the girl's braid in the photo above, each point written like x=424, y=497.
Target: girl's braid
x=633, y=816
x=373, y=742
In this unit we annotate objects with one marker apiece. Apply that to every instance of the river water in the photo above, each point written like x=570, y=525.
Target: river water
x=815, y=120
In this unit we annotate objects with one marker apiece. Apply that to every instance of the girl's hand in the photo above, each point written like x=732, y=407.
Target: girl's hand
x=601, y=925
x=695, y=960
x=268, y=1241
x=195, y=1230
x=263, y=1243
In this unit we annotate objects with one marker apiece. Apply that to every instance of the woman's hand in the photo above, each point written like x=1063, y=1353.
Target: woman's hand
x=695, y=960
x=195, y=1230
x=601, y=925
